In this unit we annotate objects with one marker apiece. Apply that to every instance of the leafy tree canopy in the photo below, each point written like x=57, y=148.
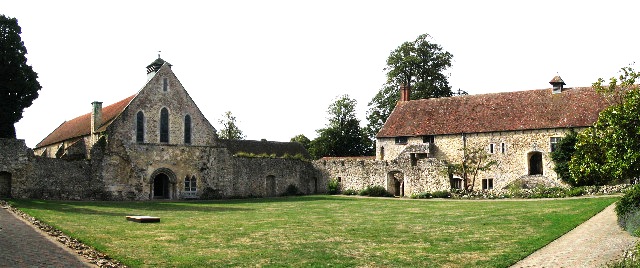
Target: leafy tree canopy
x=18, y=82
x=421, y=65
x=343, y=135
x=609, y=152
x=562, y=155
x=230, y=130
x=302, y=139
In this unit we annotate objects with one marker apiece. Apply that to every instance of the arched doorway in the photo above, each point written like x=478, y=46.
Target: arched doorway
x=535, y=163
x=270, y=186
x=5, y=184
x=163, y=184
x=395, y=183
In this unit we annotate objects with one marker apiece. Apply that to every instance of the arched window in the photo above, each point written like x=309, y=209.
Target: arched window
x=187, y=129
x=140, y=127
x=164, y=125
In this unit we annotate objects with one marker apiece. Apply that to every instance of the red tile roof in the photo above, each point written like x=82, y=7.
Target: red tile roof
x=520, y=110
x=81, y=125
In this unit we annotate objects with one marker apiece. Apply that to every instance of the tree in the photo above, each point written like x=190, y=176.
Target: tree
x=302, y=139
x=419, y=64
x=609, y=152
x=343, y=135
x=562, y=155
x=18, y=82
x=474, y=160
x=229, y=129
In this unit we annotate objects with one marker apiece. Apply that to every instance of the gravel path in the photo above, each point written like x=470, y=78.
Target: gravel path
x=594, y=243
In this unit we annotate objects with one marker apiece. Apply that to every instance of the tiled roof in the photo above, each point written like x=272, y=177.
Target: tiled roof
x=81, y=125
x=520, y=110
x=265, y=147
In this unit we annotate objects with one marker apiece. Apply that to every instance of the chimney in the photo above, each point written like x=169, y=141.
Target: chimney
x=405, y=93
x=96, y=116
x=557, y=84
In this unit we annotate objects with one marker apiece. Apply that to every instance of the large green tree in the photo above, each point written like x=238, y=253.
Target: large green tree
x=420, y=64
x=343, y=135
x=230, y=130
x=609, y=152
x=18, y=82
x=302, y=139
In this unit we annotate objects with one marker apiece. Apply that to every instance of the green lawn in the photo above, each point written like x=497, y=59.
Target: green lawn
x=319, y=231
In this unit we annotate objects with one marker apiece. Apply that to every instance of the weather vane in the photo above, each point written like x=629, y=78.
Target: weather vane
x=159, y=53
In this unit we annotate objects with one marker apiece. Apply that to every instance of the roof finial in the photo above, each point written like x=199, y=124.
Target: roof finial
x=159, y=53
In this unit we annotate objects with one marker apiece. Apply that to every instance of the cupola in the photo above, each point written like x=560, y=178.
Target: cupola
x=153, y=68
x=557, y=84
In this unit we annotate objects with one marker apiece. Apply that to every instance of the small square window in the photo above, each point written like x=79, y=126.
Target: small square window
x=428, y=139
x=401, y=140
x=487, y=184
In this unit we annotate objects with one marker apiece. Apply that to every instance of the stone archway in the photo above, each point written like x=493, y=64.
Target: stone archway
x=395, y=183
x=163, y=184
x=5, y=184
x=535, y=163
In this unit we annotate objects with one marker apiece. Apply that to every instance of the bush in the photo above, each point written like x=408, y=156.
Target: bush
x=350, y=192
x=576, y=191
x=291, y=190
x=441, y=194
x=628, y=209
x=425, y=195
x=376, y=190
x=209, y=193
x=334, y=186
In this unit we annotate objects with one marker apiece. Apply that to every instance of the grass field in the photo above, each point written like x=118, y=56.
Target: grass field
x=318, y=231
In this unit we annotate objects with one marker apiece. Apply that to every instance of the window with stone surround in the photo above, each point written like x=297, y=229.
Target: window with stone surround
x=164, y=125
x=401, y=140
x=456, y=183
x=503, y=148
x=487, y=184
x=187, y=129
x=140, y=127
x=428, y=139
x=492, y=148
x=553, y=143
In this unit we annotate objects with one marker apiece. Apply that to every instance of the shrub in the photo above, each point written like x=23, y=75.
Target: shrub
x=425, y=195
x=628, y=209
x=377, y=191
x=291, y=190
x=576, y=191
x=209, y=193
x=350, y=192
x=334, y=186
x=441, y=194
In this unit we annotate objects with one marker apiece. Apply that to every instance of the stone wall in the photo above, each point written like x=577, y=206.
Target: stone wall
x=401, y=176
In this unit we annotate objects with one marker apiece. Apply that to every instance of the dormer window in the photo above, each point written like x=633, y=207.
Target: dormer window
x=401, y=140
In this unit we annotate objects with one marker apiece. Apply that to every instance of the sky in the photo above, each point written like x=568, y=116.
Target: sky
x=278, y=65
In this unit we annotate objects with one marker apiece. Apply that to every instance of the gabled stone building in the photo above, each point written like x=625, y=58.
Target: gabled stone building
x=155, y=144
x=518, y=129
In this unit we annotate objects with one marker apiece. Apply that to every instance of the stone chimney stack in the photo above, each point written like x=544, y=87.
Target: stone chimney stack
x=557, y=83
x=405, y=93
x=96, y=116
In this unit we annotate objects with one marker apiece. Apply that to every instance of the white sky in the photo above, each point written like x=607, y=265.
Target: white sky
x=278, y=65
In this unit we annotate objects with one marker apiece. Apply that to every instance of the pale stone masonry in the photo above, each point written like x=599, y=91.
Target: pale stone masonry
x=517, y=129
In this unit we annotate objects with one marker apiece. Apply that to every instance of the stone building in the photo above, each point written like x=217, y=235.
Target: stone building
x=155, y=144
x=518, y=130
